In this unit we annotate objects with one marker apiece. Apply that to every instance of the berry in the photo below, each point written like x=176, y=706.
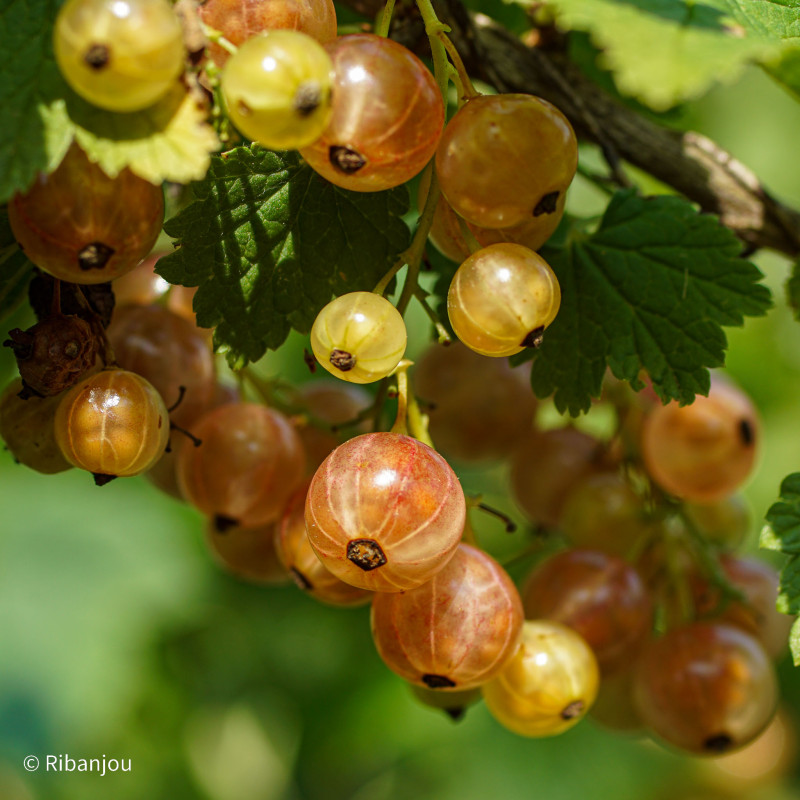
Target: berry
x=705, y=451
x=385, y=512
x=457, y=630
x=548, y=685
x=506, y=159
x=447, y=236
x=756, y=614
x=28, y=429
x=79, y=225
x=359, y=337
x=277, y=89
x=502, y=298
x=170, y=352
x=249, y=463
x=478, y=407
x=706, y=688
x=605, y=513
x=546, y=467
x=112, y=424
x=725, y=523
x=599, y=596
x=240, y=20
x=387, y=116
x=120, y=55
x=328, y=404
x=247, y=553
x=299, y=559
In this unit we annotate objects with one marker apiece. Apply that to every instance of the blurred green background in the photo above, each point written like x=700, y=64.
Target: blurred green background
x=120, y=637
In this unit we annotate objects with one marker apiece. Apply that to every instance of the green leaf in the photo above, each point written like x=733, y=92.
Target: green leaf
x=36, y=131
x=793, y=290
x=782, y=533
x=794, y=642
x=171, y=140
x=268, y=241
x=16, y=270
x=783, y=519
x=667, y=51
x=778, y=19
x=649, y=291
x=789, y=589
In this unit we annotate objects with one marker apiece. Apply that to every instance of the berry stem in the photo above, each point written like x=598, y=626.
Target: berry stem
x=401, y=374
x=215, y=36
x=468, y=91
x=385, y=21
x=441, y=332
x=469, y=237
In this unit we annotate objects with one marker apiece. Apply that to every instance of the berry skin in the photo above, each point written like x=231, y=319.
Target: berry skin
x=706, y=688
x=302, y=563
x=387, y=116
x=249, y=463
x=447, y=236
x=454, y=632
x=328, y=404
x=247, y=553
x=506, y=159
x=240, y=20
x=120, y=55
x=170, y=352
x=477, y=407
x=546, y=467
x=277, y=89
x=385, y=512
x=599, y=596
x=81, y=226
x=112, y=424
x=28, y=429
x=604, y=512
x=502, y=298
x=548, y=685
x=705, y=451
x=359, y=337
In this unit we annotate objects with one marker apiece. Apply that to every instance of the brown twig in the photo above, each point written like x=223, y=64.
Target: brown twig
x=688, y=162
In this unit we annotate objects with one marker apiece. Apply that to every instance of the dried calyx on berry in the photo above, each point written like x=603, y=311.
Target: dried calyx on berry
x=53, y=354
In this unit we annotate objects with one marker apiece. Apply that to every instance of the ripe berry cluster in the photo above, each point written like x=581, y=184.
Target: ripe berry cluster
x=646, y=605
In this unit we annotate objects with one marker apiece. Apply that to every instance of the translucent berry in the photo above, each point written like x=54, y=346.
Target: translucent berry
x=387, y=116
x=457, y=630
x=120, y=55
x=171, y=353
x=385, y=512
x=478, y=407
x=359, y=337
x=112, y=424
x=303, y=564
x=240, y=20
x=548, y=685
x=506, y=159
x=502, y=298
x=706, y=688
x=249, y=463
x=247, y=553
x=28, y=429
x=705, y=451
x=277, y=89
x=599, y=596
x=82, y=226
